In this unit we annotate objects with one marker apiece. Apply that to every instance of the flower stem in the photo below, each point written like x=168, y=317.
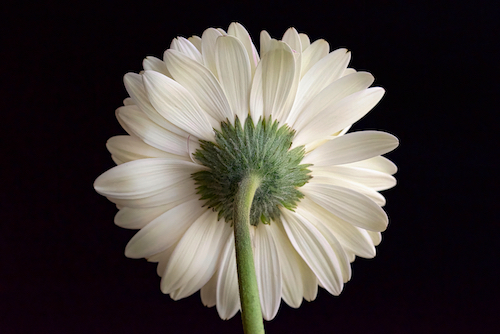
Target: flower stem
x=251, y=314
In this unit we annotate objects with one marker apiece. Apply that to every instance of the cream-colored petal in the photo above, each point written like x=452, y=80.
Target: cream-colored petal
x=292, y=38
x=209, y=38
x=154, y=64
x=139, y=125
x=137, y=218
x=304, y=41
x=165, y=230
x=186, y=47
x=322, y=74
x=201, y=83
x=315, y=250
x=265, y=43
x=234, y=71
x=350, y=237
x=237, y=30
x=177, y=105
x=267, y=270
x=135, y=88
x=143, y=178
x=197, y=254
x=315, y=52
x=128, y=148
x=208, y=292
x=196, y=41
x=332, y=94
x=228, y=298
x=367, y=177
x=379, y=163
x=342, y=114
x=348, y=205
x=352, y=147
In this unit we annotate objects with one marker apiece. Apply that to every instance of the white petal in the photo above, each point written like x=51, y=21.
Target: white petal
x=228, y=297
x=330, y=237
x=292, y=38
x=367, y=177
x=304, y=41
x=143, y=178
x=268, y=271
x=344, y=113
x=237, y=30
x=200, y=82
x=137, y=218
x=233, y=67
x=315, y=250
x=162, y=258
x=376, y=237
x=292, y=288
x=194, y=260
x=325, y=177
x=310, y=282
x=348, y=205
x=154, y=64
x=265, y=43
x=208, y=293
x=128, y=148
x=135, y=88
x=196, y=41
x=128, y=101
x=352, y=147
x=312, y=54
x=177, y=105
x=256, y=95
x=165, y=230
x=136, y=123
x=208, y=40
x=323, y=73
x=278, y=68
x=379, y=163
x=186, y=47
x=332, y=94
x=177, y=193
x=348, y=235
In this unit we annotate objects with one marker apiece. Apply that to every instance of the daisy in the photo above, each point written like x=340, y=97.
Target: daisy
x=215, y=117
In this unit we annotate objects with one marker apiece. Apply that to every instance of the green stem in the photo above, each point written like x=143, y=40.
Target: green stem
x=251, y=314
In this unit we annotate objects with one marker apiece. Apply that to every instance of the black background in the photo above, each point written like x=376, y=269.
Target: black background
x=62, y=263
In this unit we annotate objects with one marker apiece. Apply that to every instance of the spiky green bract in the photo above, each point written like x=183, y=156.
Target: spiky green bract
x=263, y=149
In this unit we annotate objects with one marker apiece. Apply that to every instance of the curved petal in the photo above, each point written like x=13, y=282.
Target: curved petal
x=154, y=64
x=137, y=218
x=367, y=177
x=292, y=286
x=331, y=94
x=128, y=148
x=352, y=147
x=342, y=114
x=323, y=73
x=268, y=271
x=196, y=41
x=234, y=71
x=196, y=255
x=165, y=230
x=265, y=43
x=348, y=235
x=137, y=124
x=143, y=178
x=334, y=243
x=200, y=82
x=315, y=250
x=208, y=293
x=348, y=205
x=312, y=54
x=172, y=195
x=292, y=38
x=186, y=47
x=208, y=40
x=381, y=164
x=304, y=41
x=135, y=88
x=237, y=30
x=177, y=105
x=228, y=297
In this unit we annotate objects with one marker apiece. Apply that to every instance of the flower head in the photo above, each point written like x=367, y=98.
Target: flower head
x=214, y=110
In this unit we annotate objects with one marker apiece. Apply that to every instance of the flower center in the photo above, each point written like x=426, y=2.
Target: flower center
x=263, y=149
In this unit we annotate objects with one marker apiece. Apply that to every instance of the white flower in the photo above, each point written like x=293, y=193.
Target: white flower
x=174, y=107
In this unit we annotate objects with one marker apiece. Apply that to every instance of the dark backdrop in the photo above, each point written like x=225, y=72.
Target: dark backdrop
x=63, y=268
